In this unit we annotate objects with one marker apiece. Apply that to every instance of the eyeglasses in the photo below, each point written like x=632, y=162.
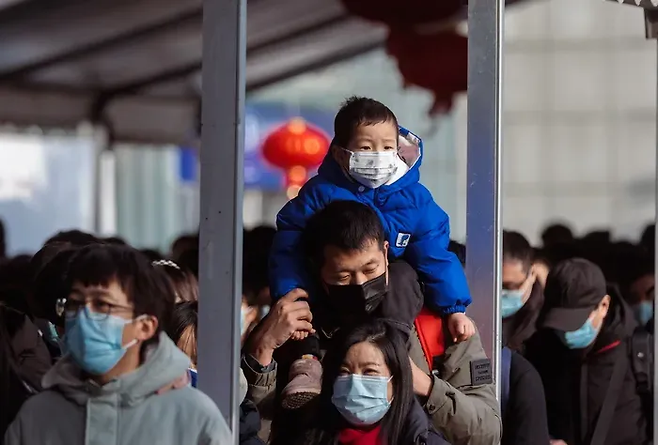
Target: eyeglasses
x=101, y=309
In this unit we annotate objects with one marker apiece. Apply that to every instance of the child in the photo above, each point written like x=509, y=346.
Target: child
x=370, y=160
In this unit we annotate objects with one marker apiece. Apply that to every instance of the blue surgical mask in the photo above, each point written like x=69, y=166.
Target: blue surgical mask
x=511, y=301
x=643, y=312
x=581, y=337
x=361, y=400
x=95, y=341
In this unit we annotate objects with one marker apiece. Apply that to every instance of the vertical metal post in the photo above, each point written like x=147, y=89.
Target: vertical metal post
x=222, y=153
x=655, y=344
x=651, y=32
x=484, y=140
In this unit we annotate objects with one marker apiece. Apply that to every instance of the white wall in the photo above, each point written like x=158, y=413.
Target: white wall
x=579, y=121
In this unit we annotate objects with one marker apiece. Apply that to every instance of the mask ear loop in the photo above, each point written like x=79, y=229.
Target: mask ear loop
x=134, y=341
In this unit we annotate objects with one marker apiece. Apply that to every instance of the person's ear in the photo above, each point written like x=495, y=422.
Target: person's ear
x=386, y=245
x=146, y=327
x=604, y=305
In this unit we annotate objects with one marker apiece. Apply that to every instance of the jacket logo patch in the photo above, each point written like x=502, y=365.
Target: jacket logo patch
x=481, y=372
x=402, y=240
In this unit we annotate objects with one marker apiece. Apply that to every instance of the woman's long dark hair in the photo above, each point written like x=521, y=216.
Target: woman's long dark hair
x=388, y=340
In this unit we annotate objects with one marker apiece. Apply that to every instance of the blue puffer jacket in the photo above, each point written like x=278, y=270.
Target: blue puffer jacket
x=417, y=228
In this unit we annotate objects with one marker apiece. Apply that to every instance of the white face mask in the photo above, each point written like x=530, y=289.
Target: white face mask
x=372, y=169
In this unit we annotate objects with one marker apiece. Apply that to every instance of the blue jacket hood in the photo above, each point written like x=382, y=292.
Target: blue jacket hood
x=411, y=151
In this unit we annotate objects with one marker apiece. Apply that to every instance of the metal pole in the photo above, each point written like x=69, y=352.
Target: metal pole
x=220, y=246
x=655, y=344
x=484, y=138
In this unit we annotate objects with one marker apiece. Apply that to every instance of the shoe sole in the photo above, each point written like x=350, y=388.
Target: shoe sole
x=297, y=400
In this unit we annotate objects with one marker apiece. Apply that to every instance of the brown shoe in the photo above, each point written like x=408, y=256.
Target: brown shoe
x=305, y=383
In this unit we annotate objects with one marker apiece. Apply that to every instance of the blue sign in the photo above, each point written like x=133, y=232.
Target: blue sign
x=260, y=120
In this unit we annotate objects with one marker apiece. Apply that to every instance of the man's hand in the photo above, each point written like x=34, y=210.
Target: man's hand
x=421, y=381
x=286, y=317
x=558, y=442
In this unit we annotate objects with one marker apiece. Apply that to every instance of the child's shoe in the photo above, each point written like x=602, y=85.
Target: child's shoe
x=305, y=383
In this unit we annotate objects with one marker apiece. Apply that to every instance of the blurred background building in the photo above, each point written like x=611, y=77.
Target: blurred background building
x=579, y=140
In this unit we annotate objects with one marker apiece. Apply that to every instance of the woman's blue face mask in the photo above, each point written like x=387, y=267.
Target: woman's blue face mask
x=361, y=400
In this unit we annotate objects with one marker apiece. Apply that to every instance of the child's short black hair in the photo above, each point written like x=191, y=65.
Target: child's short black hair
x=357, y=111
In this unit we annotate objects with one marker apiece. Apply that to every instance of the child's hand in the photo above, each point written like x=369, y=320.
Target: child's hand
x=299, y=335
x=299, y=294
x=460, y=326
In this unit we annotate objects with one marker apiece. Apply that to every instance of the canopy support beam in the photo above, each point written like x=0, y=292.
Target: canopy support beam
x=220, y=249
x=484, y=140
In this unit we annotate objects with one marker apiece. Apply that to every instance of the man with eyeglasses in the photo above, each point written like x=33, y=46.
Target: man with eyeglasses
x=105, y=389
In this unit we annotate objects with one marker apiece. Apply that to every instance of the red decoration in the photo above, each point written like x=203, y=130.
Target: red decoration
x=405, y=13
x=437, y=62
x=296, y=147
x=422, y=38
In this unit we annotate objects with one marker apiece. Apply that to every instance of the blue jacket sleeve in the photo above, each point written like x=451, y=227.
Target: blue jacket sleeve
x=287, y=266
x=446, y=289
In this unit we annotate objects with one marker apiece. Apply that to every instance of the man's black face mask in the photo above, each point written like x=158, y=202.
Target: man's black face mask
x=354, y=302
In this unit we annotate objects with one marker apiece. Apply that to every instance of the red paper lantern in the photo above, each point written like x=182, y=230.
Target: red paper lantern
x=296, y=147
x=437, y=62
x=404, y=13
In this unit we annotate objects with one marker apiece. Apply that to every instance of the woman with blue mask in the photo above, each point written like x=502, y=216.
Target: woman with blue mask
x=367, y=396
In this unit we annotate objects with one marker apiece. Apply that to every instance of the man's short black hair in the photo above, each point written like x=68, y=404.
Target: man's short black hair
x=517, y=248
x=357, y=111
x=347, y=225
x=144, y=285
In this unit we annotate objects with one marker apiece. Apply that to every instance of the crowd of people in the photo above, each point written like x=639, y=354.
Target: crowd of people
x=354, y=326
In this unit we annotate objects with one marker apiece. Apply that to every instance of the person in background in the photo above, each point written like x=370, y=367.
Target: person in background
x=13, y=385
x=48, y=291
x=152, y=254
x=581, y=352
x=255, y=283
x=183, y=331
x=367, y=395
x=522, y=296
x=29, y=355
x=105, y=390
x=3, y=242
x=639, y=289
x=522, y=393
x=183, y=281
x=556, y=235
x=189, y=260
x=541, y=266
x=648, y=239
x=183, y=244
x=15, y=283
